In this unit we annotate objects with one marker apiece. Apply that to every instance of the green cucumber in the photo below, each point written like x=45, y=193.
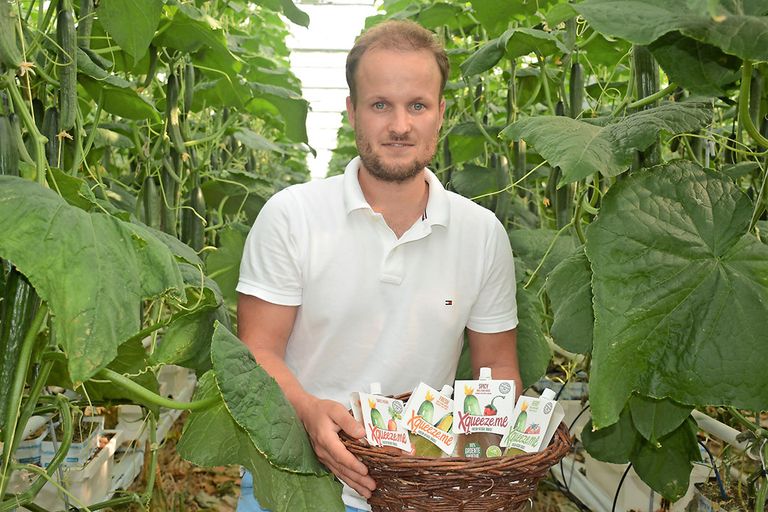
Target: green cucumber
x=426, y=410
x=20, y=303
x=189, y=86
x=576, y=90
x=10, y=56
x=9, y=151
x=193, y=220
x=85, y=23
x=66, y=36
x=472, y=406
x=377, y=419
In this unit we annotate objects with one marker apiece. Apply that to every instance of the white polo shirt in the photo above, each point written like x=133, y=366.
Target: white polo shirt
x=372, y=307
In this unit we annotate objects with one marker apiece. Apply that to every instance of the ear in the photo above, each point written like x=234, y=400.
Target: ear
x=442, y=111
x=351, y=112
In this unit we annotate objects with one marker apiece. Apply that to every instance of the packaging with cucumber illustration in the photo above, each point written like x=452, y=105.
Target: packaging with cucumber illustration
x=356, y=405
x=429, y=417
x=383, y=421
x=482, y=414
x=536, y=420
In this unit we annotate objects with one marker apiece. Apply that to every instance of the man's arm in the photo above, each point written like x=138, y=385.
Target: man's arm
x=265, y=328
x=497, y=351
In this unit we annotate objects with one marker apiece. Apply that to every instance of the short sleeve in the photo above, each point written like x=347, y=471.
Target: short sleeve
x=495, y=309
x=270, y=268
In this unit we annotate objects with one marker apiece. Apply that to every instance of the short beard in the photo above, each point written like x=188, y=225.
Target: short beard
x=377, y=169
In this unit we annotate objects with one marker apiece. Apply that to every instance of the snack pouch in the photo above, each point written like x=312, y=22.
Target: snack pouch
x=483, y=405
x=536, y=420
x=382, y=419
x=429, y=414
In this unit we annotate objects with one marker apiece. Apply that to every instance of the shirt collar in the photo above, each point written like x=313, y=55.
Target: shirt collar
x=438, y=211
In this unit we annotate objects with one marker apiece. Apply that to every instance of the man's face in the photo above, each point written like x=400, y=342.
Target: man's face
x=398, y=112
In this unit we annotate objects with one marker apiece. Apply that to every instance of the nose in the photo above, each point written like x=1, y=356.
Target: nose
x=400, y=122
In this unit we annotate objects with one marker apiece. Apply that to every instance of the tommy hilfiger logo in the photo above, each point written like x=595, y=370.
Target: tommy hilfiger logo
x=448, y=302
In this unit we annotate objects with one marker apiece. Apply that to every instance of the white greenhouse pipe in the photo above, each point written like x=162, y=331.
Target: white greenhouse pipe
x=720, y=430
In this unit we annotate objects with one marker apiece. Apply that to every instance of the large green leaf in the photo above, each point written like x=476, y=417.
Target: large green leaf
x=533, y=351
x=131, y=23
x=224, y=263
x=581, y=149
x=258, y=405
x=189, y=30
x=281, y=491
x=117, y=95
x=239, y=191
x=538, y=248
x=288, y=8
x=474, y=180
x=666, y=466
x=700, y=68
x=569, y=288
x=655, y=419
x=616, y=443
x=466, y=141
x=440, y=14
x=291, y=108
x=495, y=16
x=92, y=269
x=738, y=27
x=187, y=340
x=513, y=43
x=680, y=293
x=257, y=142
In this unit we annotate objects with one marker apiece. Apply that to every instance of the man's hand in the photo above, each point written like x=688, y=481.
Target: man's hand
x=324, y=419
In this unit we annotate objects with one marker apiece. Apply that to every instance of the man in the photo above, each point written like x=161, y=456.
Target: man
x=376, y=274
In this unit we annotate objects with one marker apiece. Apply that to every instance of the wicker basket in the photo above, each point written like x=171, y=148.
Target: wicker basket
x=456, y=484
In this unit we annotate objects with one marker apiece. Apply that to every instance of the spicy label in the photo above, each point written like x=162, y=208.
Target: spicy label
x=483, y=406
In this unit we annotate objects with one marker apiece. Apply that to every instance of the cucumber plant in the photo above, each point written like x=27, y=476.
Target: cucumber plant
x=652, y=267
x=137, y=143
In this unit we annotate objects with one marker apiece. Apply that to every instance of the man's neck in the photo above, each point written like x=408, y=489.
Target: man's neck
x=400, y=203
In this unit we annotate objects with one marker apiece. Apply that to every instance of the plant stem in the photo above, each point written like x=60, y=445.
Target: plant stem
x=44, y=475
x=744, y=118
x=29, y=124
x=545, y=84
x=648, y=100
x=153, y=398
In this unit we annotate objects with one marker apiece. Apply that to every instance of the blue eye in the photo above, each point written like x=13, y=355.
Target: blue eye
x=379, y=105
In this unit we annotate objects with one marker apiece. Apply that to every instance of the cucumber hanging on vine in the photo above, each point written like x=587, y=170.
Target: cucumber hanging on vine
x=755, y=96
x=576, y=89
x=10, y=56
x=9, y=151
x=646, y=73
x=85, y=23
x=50, y=129
x=66, y=36
x=193, y=220
x=151, y=68
x=173, y=129
x=152, y=203
x=18, y=308
x=189, y=86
